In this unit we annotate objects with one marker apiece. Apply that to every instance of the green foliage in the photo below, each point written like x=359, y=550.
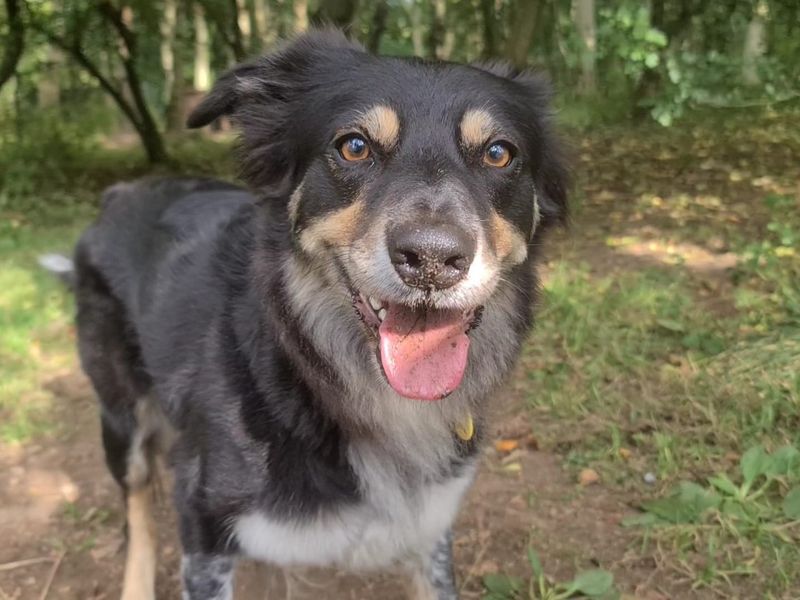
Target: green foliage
x=625, y=33
x=595, y=583
x=772, y=266
x=763, y=495
x=35, y=318
x=45, y=152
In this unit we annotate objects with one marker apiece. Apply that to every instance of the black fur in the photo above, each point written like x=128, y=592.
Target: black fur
x=184, y=292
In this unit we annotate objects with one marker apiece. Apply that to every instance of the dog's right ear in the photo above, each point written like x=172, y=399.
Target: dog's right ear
x=265, y=100
x=271, y=78
x=224, y=96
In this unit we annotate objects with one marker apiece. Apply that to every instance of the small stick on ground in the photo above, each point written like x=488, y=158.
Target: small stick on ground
x=52, y=575
x=18, y=564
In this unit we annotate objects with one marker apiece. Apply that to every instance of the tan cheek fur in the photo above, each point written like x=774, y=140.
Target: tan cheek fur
x=507, y=242
x=336, y=229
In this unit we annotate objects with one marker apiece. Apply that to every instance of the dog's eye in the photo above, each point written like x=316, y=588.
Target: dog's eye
x=354, y=148
x=498, y=154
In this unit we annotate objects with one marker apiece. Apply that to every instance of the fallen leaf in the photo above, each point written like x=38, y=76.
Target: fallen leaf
x=506, y=446
x=624, y=453
x=588, y=477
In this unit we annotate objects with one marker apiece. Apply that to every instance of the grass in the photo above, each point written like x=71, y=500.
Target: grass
x=634, y=370
x=36, y=337
x=45, y=212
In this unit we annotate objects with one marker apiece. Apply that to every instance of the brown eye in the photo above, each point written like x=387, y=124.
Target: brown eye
x=354, y=148
x=497, y=155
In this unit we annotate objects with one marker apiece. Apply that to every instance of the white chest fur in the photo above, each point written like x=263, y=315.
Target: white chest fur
x=389, y=525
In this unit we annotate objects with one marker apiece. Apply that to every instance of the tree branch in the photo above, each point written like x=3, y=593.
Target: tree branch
x=15, y=43
x=84, y=61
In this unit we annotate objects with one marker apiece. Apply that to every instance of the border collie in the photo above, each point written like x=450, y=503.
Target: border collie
x=317, y=351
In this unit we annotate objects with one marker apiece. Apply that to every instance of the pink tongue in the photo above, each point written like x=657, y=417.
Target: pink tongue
x=423, y=352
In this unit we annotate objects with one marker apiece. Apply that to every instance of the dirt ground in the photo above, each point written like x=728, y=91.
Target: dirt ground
x=61, y=522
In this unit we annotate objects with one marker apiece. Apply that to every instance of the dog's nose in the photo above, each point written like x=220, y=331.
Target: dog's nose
x=430, y=256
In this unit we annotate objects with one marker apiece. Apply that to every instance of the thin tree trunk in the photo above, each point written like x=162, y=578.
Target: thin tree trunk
x=300, y=10
x=378, y=26
x=416, y=29
x=48, y=89
x=15, y=42
x=236, y=41
x=436, y=31
x=584, y=19
x=266, y=23
x=168, y=26
x=339, y=13
x=754, y=44
x=202, y=50
x=175, y=109
x=441, y=40
x=489, y=22
x=523, y=24
x=244, y=22
x=147, y=129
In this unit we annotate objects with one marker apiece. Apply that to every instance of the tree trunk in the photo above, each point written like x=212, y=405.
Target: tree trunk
x=339, y=13
x=523, y=23
x=489, y=22
x=265, y=23
x=202, y=51
x=447, y=37
x=243, y=22
x=416, y=29
x=754, y=44
x=378, y=26
x=120, y=20
x=176, y=102
x=300, y=9
x=15, y=42
x=236, y=41
x=135, y=107
x=168, y=26
x=436, y=31
x=584, y=18
x=48, y=89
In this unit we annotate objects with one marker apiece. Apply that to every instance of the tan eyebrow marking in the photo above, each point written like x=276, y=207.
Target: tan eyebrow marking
x=381, y=124
x=477, y=126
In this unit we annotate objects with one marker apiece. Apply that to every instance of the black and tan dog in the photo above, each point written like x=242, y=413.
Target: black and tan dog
x=322, y=346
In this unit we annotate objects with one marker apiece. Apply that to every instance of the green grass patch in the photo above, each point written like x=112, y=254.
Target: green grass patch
x=631, y=372
x=36, y=334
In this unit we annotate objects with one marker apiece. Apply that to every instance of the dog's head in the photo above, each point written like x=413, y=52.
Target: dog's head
x=416, y=187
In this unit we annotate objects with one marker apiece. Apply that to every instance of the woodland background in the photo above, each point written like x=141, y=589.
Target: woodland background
x=648, y=445
x=100, y=65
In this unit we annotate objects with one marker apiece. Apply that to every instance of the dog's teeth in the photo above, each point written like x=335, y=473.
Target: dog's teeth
x=382, y=314
x=375, y=303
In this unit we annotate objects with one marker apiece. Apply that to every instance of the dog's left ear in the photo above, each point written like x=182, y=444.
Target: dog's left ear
x=531, y=95
x=263, y=99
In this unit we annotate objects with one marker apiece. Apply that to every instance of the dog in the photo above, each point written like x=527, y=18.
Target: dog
x=316, y=353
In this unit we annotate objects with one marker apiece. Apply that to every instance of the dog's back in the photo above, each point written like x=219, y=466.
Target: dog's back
x=138, y=272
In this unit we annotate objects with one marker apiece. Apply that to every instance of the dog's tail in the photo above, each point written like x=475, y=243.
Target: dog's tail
x=60, y=266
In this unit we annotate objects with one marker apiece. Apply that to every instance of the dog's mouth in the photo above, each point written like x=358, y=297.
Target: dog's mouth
x=422, y=350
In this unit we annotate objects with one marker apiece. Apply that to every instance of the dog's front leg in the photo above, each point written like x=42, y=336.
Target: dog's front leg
x=434, y=578
x=207, y=577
